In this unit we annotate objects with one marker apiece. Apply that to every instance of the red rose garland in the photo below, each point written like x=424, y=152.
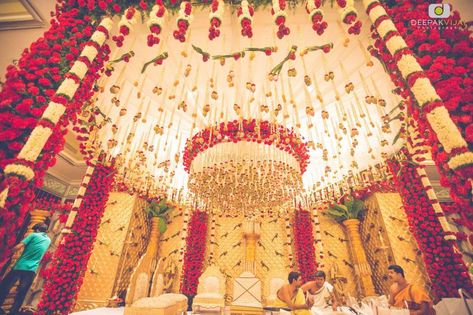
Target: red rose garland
x=195, y=252
x=313, y=8
x=66, y=273
x=235, y=131
x=216, y=13
x=304, y=244
x=183, y=21
x=245, y=17
x=28, y=89
x=445, y=267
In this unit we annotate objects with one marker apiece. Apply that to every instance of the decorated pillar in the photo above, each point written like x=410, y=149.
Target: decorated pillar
x=70, y=260
x=304, y=244
x=24, y=168
x=443, y=262
x=251, y=233
x=429, y=88
x=362, y=268
x=195, y=253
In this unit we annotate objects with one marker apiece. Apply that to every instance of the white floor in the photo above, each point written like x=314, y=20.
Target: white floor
x=102, y=311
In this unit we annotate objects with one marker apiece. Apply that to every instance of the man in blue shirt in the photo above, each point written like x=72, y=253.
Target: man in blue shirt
x=34, y=247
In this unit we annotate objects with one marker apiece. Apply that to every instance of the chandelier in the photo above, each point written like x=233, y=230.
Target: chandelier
x=248, y=166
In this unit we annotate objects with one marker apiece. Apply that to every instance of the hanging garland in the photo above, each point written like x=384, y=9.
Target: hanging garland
x=67, y=270
x=304, y=244
x=195, y=253
x=235, y=131
x=444, y=265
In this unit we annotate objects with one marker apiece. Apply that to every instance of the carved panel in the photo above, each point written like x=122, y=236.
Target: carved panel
x=104, y=266
x=389, y=241
x=337, y=255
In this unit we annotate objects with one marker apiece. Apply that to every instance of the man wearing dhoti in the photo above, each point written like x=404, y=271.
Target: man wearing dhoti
x=320, y=293
x=291, y=296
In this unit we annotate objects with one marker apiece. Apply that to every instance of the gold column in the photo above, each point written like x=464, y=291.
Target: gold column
x=251, y=233
x=37, y=216
x=362, y=268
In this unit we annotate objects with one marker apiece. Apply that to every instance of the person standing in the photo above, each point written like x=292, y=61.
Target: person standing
x=33, y=248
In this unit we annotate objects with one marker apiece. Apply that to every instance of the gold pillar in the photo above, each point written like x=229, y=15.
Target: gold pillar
x=37, y=216
x=362, y=268
x=251, y=233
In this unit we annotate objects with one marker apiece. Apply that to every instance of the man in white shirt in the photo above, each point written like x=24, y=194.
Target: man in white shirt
x=320, y=292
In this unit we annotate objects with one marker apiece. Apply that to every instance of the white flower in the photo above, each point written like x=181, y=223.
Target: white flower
x=98, y=37
x=89, y=52
x=346, y=11
x=367, y=3
x=408, y=64
x=20, y=170
x=35, y=143
x=107, y=23
x=79, y=69
x=460, y=160
x=447, y=133
x=53, y=112
x=154, y=20
x=377, y=12
x=423, y=91
x=68, y=87
x=395, y=43
x=385, y=27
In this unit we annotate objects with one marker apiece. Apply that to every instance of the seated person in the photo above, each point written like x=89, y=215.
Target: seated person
x=320, y=293
x=290, y=296
x=402, y=293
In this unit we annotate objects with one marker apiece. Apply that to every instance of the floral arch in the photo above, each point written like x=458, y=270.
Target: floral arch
x=94, y=47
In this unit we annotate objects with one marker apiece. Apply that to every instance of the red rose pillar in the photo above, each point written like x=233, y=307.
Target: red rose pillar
x=195, y=253
x=304, y=244
x=65, y=275
x=443, y=262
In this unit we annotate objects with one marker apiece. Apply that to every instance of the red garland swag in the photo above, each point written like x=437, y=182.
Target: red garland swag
x=65, y=275
x=30, y=85
x=445, y=267
x=304, y=244
x=195, y=252
x=446, y=55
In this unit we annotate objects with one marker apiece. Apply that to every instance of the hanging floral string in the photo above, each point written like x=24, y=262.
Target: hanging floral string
x=155, y=23
x=216, y=14
x=183, y=21
x=245, y=17
x=313, y=8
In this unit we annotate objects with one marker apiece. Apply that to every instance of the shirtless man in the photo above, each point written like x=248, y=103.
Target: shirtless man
x=291, y=296
x=319, y=292
x=402, y=292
